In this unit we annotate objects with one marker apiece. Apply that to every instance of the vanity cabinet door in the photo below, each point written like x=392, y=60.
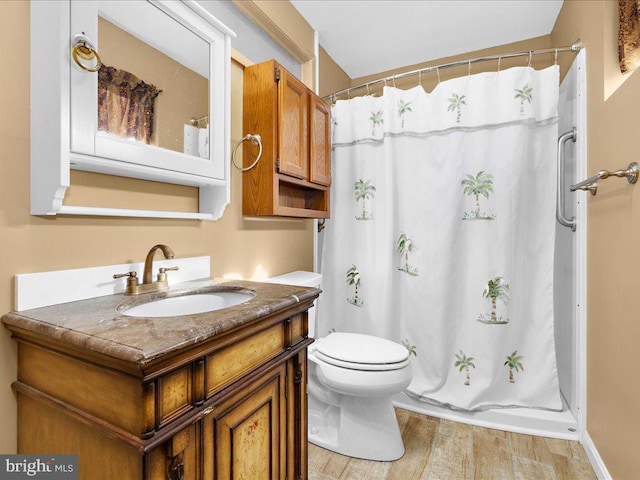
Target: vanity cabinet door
x=244, y=437
x=297, y=416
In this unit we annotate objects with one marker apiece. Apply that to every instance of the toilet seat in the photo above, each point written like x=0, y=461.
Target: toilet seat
x=361, y=352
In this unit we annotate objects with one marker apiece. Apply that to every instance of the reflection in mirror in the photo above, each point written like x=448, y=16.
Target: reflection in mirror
x=152, y=90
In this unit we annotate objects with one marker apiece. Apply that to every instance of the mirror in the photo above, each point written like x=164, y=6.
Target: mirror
x=151, y=91
x=163, y=77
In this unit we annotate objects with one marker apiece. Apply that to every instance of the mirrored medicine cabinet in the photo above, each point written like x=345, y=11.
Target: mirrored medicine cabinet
x=132, y=88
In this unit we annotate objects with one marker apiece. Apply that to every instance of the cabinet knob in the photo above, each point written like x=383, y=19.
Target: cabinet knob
x=175, y=470
x=207, y=411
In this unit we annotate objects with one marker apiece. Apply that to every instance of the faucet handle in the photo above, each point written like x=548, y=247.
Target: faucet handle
x=166, y=269
x=162, y=273
x=128, y=274
x=132, y=278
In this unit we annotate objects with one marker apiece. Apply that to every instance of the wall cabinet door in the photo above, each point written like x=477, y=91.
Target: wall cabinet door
x=320, y=142
x=245, y=435
x=293, y=118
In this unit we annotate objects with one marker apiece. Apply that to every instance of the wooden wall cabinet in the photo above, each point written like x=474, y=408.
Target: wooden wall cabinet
x=233, y=407
x=294, y=174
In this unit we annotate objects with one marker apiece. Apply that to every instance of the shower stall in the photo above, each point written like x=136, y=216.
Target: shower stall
x=569, y=289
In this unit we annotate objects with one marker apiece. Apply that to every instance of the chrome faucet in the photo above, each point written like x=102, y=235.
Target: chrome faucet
x=148, y=285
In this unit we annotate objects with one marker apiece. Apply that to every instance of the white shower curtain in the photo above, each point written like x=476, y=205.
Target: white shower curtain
x=441, y=234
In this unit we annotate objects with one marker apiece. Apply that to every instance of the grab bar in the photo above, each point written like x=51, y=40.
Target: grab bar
x=590, y=184
x=560, y=216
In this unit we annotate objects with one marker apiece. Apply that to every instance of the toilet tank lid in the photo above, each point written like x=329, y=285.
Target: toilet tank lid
x=299, y=278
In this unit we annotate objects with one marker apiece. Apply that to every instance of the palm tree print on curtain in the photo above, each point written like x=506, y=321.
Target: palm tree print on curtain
x=480, y=185
x=353, y=278
x=496, y=289
x=524, y=94
x=376, y=119
x=455, y=104
x=403, y=108
x=404, y=246
x=411, y=348
x=464, y=363
x=513, y=363
x=363, y=191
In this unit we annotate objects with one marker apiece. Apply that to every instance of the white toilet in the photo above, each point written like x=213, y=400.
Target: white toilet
x=352, y=378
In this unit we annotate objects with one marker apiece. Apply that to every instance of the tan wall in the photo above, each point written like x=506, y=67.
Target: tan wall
x=288, y=28
x=332, y=77
x=613, y=393
x=33, y=244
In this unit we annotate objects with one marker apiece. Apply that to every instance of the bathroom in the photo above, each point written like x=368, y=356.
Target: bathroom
x=255, y=248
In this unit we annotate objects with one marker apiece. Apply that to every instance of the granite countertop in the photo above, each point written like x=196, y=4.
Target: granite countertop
x=96, y=324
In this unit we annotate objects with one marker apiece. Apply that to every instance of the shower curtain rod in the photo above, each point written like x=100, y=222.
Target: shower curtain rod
x=575, y=48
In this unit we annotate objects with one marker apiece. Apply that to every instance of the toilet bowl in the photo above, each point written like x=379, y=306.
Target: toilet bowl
x=351, y=379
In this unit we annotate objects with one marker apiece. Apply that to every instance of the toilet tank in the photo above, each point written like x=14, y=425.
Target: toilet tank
x=301, y=279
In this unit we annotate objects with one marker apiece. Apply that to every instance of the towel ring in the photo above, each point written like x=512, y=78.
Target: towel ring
x=83, y=49
x=256, y=140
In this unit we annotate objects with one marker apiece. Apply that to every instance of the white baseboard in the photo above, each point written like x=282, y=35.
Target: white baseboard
x=597, y=463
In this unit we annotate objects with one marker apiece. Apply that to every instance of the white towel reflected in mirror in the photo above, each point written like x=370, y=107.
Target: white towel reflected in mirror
x=196, y=141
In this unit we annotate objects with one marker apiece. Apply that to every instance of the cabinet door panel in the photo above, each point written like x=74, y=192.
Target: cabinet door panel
x=246, y=434
x=174, y=394
x=293, y=113
x=320, y=144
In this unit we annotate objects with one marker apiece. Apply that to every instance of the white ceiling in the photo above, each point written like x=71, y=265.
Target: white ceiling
x=366, y=37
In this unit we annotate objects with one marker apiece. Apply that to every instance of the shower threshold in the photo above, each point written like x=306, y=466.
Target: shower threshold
x=529, y=421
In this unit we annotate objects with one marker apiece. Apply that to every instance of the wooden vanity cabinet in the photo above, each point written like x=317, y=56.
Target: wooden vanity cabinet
x=293, y=175
x=232, y=407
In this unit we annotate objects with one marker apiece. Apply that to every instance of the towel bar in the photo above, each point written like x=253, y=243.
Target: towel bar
x=590, y=184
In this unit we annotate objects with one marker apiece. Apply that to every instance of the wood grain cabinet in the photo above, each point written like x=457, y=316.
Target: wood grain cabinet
x=231, y=407
x=293, y=175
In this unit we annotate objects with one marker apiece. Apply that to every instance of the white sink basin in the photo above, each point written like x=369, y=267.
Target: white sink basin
x=188, y=304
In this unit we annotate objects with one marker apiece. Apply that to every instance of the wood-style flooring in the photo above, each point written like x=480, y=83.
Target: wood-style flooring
x=442, y=449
